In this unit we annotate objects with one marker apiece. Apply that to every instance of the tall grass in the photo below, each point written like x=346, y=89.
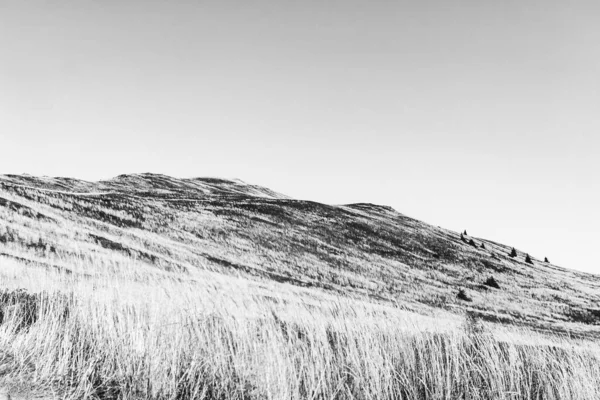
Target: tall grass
x=130, y=333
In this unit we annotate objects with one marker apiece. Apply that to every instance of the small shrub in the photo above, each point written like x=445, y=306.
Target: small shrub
x=462, y=295
x=463, y=238
x=513, y=253
x=491, y=282
x=466, y=234
x=472, y=243
x=528, y=259
x=19, y=306
x=546, y=260
x=483, y=245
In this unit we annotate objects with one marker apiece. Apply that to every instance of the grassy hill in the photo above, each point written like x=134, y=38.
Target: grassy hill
x=147, y=286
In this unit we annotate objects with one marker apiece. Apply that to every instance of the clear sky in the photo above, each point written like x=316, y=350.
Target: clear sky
x=481, y=115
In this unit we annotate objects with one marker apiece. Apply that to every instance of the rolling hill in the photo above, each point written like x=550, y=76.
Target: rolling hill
x=362, y=252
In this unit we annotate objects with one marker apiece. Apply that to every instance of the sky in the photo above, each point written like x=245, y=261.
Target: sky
x=481, y=115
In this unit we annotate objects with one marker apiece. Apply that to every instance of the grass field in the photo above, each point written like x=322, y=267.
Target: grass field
x=127, y=331
x=151, y=287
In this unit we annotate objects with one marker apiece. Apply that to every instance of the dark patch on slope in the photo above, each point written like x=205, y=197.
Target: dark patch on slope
x=37, y=263
x=119, y=247
x=265, y=274
x=24, y=210
x=369, y=207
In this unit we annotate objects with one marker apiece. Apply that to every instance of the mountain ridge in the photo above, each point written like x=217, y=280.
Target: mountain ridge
x=142, y=182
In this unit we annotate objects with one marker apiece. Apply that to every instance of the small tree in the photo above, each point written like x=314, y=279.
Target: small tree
x=463, y=238
x=472, y=243
x=546, y=260
x=513, y=252
x=482, y=245
x=528, y=259
x=465, y=232
x=491, y=282
x=462, y=295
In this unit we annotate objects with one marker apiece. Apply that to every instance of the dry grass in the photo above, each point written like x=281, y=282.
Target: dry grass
x=130, y=331
x=352, y=251
x=180, y=295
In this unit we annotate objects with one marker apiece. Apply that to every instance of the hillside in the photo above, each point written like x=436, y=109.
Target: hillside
x=360, y=251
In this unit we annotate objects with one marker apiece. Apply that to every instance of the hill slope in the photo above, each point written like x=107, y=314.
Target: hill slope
x=362, y=251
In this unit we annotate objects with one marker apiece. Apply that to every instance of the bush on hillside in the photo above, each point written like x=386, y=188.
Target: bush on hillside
x=491, y=282
x=528, y=259
x=513, y=252
x=18, y=306
x=482, y=245
x=546, y=260
x=462, y=295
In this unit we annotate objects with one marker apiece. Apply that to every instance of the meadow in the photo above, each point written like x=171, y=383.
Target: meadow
x=152, y=287
x=119, y=329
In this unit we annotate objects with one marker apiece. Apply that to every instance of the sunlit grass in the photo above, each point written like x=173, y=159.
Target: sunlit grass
x=129, y=331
